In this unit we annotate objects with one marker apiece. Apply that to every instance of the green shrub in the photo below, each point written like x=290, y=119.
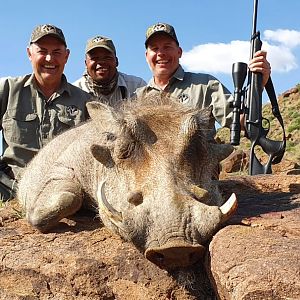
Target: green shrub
x=295, y=114
x=290, y=146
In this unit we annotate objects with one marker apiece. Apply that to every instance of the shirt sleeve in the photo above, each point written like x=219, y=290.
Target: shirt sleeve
x=221, y=99
x=4, y=92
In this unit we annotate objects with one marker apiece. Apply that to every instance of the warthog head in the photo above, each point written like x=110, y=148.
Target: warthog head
x=155, y=188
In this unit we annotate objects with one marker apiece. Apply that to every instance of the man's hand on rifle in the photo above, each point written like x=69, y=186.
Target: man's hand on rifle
x=260, y=64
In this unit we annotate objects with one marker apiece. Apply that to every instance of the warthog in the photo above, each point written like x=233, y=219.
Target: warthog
x=147, y=167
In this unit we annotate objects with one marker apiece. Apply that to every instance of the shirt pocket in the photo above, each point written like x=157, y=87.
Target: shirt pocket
x=21, y=127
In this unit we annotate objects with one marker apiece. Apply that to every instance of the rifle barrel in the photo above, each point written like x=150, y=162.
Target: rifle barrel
x=254, y=21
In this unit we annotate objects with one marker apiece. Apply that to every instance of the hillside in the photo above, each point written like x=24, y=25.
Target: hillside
x=289, y=104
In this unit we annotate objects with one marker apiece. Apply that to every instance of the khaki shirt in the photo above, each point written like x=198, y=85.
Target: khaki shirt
x=196, y=90
x=29, y=121
x=128, y=83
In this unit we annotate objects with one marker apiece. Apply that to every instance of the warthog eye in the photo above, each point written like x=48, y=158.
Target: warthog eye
x=109, y=136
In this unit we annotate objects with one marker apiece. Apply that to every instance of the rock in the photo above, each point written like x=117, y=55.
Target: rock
x=286, y=166
x=82, y=260
x=259, y=258
x=255, y=256
x=237, y=161
x=289, y=92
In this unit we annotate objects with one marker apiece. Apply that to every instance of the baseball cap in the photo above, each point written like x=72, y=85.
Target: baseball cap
x=100, y=42
x=47, y=29
x=161, y=27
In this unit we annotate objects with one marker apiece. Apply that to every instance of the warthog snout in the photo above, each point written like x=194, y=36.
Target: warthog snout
x=175, y=254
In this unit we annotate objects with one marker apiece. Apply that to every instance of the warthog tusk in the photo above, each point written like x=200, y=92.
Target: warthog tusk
x=229, y=207
x=106, y=207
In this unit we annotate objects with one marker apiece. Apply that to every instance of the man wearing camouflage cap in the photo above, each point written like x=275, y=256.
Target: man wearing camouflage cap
x=102, y=78
x=198, y=90
x=37, y=107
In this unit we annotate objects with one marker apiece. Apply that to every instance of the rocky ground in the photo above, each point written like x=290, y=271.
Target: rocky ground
x=256, y=256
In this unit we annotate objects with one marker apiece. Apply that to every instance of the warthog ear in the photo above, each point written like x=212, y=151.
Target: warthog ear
x=202, y=120
x=102, y=154
x=101, y=112
x=221, y=151
x=206, y=118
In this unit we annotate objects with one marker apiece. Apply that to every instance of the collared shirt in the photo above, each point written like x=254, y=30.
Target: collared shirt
x=196, y=90
x=29, y=120
x=127, y=83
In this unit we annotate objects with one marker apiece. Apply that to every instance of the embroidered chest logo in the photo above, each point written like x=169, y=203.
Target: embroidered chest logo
x=72, y=110
x=183, y=97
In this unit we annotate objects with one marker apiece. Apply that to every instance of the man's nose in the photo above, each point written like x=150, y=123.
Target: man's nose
x=160, y=51
x=48, y=57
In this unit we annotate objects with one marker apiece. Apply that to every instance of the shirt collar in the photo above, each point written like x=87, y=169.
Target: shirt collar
x=179, y=75
x=121, y=80
x=64, y=86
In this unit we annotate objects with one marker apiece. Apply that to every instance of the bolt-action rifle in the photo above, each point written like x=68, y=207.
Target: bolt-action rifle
x=248, y=101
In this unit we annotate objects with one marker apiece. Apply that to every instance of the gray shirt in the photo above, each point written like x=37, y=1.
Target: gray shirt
x=29, y=121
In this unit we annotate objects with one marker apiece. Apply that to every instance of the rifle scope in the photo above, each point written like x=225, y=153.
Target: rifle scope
x=239, y=72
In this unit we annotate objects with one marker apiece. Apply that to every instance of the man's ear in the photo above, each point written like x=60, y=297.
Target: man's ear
x=117, y=62
x=67, y=54
x=29, y=52
x=180, y=52
x=146, y=55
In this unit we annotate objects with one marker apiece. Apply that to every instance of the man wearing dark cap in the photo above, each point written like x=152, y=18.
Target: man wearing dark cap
x=102, y=78
x=197, y=90
x=37, y=107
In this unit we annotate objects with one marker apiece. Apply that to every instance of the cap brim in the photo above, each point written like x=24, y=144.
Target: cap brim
x=100, y=46
x=49, y=34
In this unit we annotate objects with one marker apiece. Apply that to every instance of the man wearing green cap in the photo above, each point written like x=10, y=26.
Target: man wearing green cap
x=36, y=107
x=102, y=78
x=198, y=90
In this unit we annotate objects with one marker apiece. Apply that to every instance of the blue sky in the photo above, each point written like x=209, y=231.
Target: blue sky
x=213, y=34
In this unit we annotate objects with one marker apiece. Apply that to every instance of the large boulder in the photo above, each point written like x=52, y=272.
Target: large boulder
x=259, y=258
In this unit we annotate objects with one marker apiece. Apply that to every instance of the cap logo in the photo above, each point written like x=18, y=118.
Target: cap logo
x=47, y=28
x=159, y=27
x=98, y=39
